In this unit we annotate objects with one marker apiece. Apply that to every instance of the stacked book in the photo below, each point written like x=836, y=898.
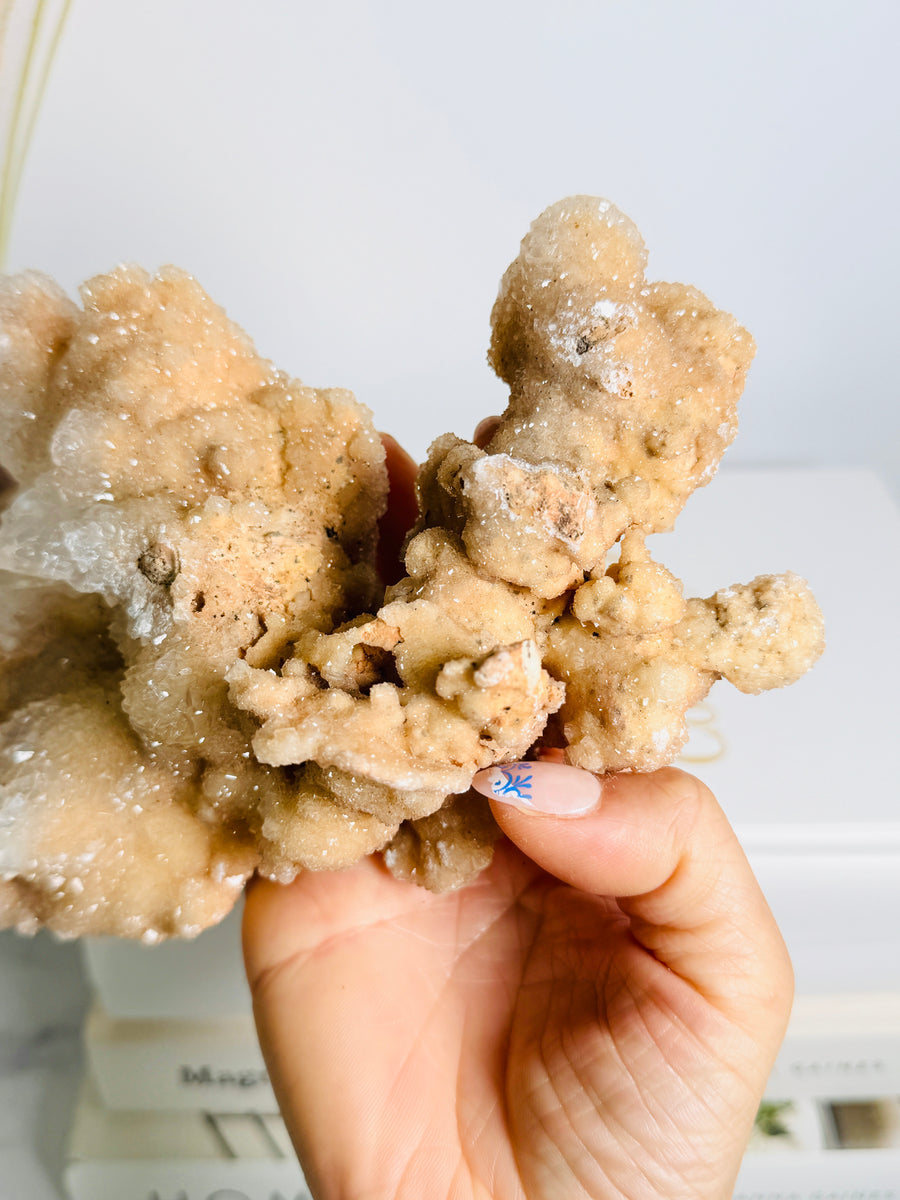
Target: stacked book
x=179, y=1107
x=829, y=1128
x=177, y=1104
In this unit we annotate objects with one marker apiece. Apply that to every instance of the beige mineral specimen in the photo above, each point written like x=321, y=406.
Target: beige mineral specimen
x=181, y=507
x=202, y=677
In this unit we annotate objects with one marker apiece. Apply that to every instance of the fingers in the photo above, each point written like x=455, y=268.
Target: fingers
x=661, y=845
x=484, y=431
x=401, y=466
x=401, y=511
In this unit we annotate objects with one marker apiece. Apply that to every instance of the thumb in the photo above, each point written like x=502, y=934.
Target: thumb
x=662, y=847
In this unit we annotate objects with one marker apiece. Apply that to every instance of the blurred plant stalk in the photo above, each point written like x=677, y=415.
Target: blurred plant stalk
x=30, y=33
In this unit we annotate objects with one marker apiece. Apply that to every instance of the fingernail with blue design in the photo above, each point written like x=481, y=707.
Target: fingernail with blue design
x=551, y=788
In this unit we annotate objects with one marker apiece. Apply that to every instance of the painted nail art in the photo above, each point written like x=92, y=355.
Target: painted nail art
x=541, y=787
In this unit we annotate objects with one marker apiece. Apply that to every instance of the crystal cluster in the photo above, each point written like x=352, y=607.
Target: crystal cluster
x=200, y=675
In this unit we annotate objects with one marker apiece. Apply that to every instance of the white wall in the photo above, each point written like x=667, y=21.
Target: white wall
x=351, y=179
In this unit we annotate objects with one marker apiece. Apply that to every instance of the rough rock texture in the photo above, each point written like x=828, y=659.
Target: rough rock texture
x=182, y=506
x=200, y=676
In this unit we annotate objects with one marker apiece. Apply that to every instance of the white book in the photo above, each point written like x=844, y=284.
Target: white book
x=840, y=1047
x=176, y=1064
x=824, y=1150
x=161, y=1179
x=179, y=979
x=179, y=1156
x=837, y=1046
x=801, y=1149
x=819, y=1175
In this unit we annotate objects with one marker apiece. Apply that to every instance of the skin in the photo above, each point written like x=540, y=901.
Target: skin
x=595, y=1017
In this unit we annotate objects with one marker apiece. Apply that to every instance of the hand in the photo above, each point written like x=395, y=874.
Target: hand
x=595, y=1017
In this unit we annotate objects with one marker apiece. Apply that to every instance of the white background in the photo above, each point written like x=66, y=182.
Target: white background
x=351, y=179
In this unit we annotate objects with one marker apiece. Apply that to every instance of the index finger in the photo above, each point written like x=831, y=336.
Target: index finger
x=402, y=508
